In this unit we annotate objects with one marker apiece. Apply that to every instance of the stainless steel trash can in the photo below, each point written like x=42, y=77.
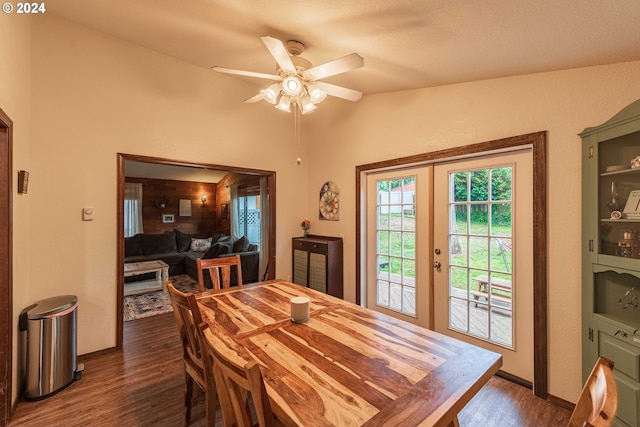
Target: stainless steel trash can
x=51, y=363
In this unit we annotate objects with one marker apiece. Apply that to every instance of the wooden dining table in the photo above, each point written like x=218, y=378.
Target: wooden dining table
x=348, y=365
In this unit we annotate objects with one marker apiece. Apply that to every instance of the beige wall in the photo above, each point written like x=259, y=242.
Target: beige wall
x=399, y=124
x=15, y=101
x=95, y=96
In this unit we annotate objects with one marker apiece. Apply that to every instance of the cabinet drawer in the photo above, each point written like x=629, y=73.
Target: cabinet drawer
x=625, y=356
x=628, y=400
x=310, y=246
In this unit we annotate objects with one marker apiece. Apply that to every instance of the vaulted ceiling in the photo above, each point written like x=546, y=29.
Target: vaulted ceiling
x=406, y=44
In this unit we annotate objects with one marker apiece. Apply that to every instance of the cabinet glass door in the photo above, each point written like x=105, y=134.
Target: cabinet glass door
x=619, y=197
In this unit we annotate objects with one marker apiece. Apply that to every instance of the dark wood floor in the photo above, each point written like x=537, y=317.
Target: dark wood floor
x=143, y=386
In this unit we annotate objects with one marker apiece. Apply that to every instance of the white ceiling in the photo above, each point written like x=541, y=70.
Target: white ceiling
x=406, y=44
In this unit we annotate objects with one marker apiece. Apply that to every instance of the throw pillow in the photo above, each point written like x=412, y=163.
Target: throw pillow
x=240, y=245
x=200, y=245
x=216, y=250
x=183, y=241
x=216, y=237
x=226, y=239
x=133, y=245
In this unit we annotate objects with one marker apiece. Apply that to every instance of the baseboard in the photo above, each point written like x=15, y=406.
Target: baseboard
x=553, y=399
x=561, y=402
x=515, y=379
x=89, y=356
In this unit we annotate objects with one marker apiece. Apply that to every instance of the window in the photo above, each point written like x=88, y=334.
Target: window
x=249, y=214
x=132, y=209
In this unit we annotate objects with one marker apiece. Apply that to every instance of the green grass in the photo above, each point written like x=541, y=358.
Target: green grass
x=484, y=254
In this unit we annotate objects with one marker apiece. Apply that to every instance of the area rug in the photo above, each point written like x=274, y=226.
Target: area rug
x=158, y=302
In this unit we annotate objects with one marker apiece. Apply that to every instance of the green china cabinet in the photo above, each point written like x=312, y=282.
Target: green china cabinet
x=611, y=254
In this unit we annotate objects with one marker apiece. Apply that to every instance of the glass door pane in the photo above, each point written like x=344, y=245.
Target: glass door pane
x=480, y=254
x=396, y=245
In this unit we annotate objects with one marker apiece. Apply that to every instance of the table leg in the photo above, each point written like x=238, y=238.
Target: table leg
x=454, y=422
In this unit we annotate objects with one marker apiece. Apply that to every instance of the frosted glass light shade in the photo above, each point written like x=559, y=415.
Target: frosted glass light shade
x=284, y=104
x=316, y=94
x=292, y=86
x=270, y=94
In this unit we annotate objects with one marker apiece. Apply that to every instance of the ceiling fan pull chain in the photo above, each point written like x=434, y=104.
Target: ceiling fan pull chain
x=296, y=131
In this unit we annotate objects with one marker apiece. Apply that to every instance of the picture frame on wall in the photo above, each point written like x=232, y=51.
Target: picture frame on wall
x=166, y=218
x=224, y=211
x=185, y=207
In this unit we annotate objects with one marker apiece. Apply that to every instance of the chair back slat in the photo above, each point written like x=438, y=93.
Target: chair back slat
x=220, y=271
x=598, y=401
x=187, y=315
x=236, y=375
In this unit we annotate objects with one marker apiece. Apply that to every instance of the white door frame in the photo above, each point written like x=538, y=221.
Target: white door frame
x=538, y=143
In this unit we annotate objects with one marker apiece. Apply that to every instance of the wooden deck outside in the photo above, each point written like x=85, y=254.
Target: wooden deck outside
x=499, y=328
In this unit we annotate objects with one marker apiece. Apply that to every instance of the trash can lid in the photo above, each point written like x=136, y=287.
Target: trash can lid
x=52, y=307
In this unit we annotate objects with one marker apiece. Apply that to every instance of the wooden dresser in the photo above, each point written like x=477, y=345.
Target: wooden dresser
x=317, y=263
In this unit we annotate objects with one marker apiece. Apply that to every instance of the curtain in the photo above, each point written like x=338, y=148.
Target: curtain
x=132, y=209
x=264, y=227
x=235, y=212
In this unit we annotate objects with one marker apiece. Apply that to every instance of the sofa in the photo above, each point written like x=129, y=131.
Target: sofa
x=181, y=250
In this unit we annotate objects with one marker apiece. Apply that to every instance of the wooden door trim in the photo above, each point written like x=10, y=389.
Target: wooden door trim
x=538, y=143
x=6, y=267
x=122, y=157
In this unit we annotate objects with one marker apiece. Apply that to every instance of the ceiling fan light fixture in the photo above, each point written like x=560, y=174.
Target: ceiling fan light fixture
x=292, y=86
x=307, y=106
x=284, y=104
x=316, y=94
x=271, y=93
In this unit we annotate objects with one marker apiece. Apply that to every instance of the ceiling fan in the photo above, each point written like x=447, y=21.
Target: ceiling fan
x=298, y=86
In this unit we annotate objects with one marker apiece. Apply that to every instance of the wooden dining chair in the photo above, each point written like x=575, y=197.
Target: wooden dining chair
x=237, y=376
x=187, y=314
x=598, y=401
x=220, y=271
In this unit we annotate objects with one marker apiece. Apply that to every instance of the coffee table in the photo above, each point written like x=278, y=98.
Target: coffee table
x=161, y=269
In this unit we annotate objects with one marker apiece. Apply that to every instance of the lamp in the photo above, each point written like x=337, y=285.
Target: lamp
x=271, y=93
x=161, y=203
x=292, y=86
x=284, y=104
x=294, y=91
x=203, y=199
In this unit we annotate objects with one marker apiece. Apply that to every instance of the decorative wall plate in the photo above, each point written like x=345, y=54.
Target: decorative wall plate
x=329, y=204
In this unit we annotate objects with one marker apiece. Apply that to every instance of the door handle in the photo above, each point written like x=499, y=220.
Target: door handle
x=437, y=264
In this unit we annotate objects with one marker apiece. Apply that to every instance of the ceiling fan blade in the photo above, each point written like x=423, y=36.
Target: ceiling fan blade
x=254, y=99
x=338, y=66
x=246, y=73
x=339, y=91
x=279, y=53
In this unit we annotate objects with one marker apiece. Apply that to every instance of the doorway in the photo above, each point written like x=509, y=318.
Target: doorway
x=6, y=263
x=483, y=289
x=537, y=143
x=399, y=214
x=123, y=158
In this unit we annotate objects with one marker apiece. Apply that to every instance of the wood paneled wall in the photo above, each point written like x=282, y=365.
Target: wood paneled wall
x=223, y=196
x=203, y=217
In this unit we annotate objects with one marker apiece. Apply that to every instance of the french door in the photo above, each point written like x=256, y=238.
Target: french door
x=483, y=264
x=398, y=240
x=449, y=247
